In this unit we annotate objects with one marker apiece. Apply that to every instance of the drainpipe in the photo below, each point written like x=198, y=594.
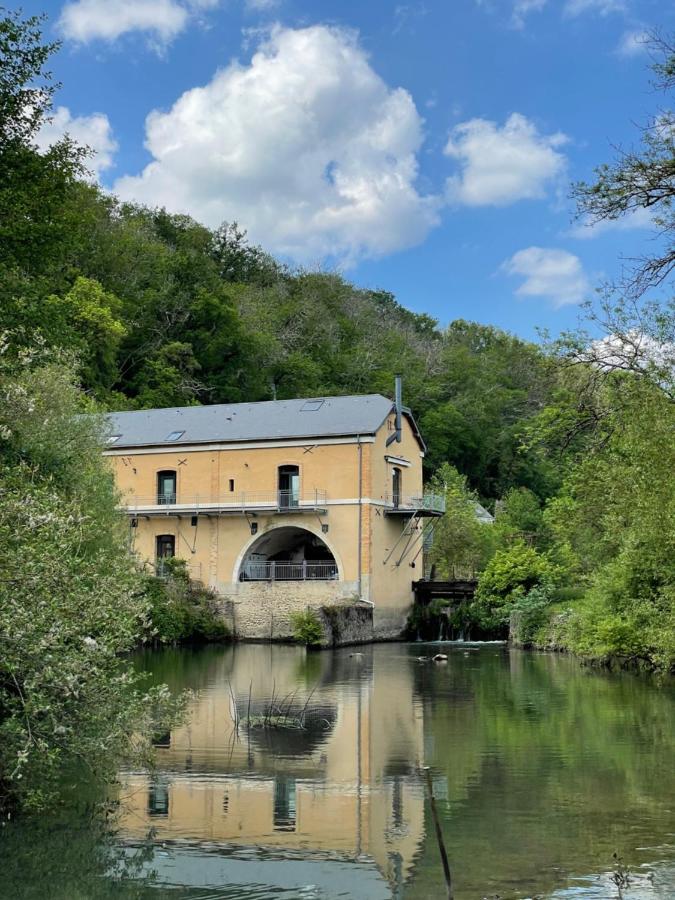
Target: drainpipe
x=362, y=599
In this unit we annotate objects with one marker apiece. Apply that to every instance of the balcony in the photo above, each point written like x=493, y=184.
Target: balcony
x=272, y=502
x=426, y=505
x=266, y=570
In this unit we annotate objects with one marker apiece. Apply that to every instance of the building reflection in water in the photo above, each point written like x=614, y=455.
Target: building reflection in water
x=342, y=788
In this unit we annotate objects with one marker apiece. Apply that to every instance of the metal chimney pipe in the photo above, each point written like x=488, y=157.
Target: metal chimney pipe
x=398, y=408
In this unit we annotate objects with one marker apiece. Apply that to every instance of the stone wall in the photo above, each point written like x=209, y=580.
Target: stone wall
x=346, y=624
x=262, y=611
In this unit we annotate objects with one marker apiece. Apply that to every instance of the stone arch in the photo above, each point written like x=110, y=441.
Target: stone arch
x=275, y=538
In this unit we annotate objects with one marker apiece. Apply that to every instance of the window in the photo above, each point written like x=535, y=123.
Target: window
x=231, y=484
x=284, y=803
x=289, y=486
x=174, y=436
x=311, y=405
x=158, y=798
x=165, y=548
x=113, y=438
x=166, y=487
x=396, y=487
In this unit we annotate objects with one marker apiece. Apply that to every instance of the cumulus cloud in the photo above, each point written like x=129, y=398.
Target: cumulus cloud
x=501, y=165
x=87, y=20
x=92, y=131
x=556, y=275
x=306, y=147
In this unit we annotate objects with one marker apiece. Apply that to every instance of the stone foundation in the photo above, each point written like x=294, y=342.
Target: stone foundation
x=346, y=624
x=263, y=611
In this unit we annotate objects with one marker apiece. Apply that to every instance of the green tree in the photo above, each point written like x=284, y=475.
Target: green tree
x=461, y=543
x=642, y=179
x=69, y=599
x=509, y=576
x=34, y=186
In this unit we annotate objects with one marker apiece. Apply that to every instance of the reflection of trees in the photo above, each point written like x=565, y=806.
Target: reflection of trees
x=550, y=767
x=73, y=855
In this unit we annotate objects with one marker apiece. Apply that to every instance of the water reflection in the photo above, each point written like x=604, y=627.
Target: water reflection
x=314, y=754
x=541, y=770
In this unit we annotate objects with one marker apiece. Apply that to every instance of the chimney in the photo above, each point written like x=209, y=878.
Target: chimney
x=398, y=406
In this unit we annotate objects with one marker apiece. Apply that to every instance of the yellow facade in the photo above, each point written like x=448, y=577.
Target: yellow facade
x=351, y=788
x=225, y=503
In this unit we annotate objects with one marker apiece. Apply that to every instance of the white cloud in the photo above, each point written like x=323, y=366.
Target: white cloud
x=306, y=147
x=633, y=43
x=555, y=275
x=639, y=218
x=261, y=5
x=92, y=131
x=88, y=20
x=501, y=165
x=522, y=8
x=602, y=7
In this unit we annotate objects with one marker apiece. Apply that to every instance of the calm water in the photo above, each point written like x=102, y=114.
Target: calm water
x=541, y=771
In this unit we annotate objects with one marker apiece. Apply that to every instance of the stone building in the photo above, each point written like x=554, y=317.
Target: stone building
x=281, y=506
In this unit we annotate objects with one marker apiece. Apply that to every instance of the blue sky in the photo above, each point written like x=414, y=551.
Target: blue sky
x=426, y=148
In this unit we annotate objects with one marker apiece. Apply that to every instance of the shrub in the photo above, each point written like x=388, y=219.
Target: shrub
x=529, y=614
x=307, y=628
x=182, y=611
x=509, y=576
x=69, y=600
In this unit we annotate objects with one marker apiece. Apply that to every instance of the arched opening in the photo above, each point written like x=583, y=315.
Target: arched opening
x=288, y=554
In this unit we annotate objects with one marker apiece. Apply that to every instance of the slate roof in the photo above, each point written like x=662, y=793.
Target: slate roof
x=269, y=420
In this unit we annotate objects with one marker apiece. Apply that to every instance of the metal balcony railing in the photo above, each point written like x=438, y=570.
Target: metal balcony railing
x=245, y=501
x=430, y=503
x=307, y=570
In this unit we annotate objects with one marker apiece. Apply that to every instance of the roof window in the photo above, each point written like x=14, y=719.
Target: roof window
x=174, y=436
x=113, y=438
x=311, y=405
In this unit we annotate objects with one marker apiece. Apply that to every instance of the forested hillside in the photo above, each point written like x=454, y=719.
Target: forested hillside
x=160, y=311
x=117, y=306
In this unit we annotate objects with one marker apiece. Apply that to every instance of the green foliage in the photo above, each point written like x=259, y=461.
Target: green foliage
x=615, y=520
x=520, y=515
x=307, y=628
x=181, y=611
x=529, y=615
x=642, y=179
x=69, y=599
x=509, y=576
x=86, y=320
x=461, y=545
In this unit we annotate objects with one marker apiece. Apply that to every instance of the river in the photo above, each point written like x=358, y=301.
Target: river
x=299, y=775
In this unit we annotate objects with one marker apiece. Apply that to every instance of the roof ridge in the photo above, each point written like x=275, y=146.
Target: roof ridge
x=115, y=412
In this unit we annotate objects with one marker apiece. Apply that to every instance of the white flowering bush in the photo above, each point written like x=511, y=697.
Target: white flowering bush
x=70, y=604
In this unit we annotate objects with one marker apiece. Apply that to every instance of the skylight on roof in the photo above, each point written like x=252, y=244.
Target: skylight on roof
x=311, y=405
x=113, y=438
x=174, y=436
